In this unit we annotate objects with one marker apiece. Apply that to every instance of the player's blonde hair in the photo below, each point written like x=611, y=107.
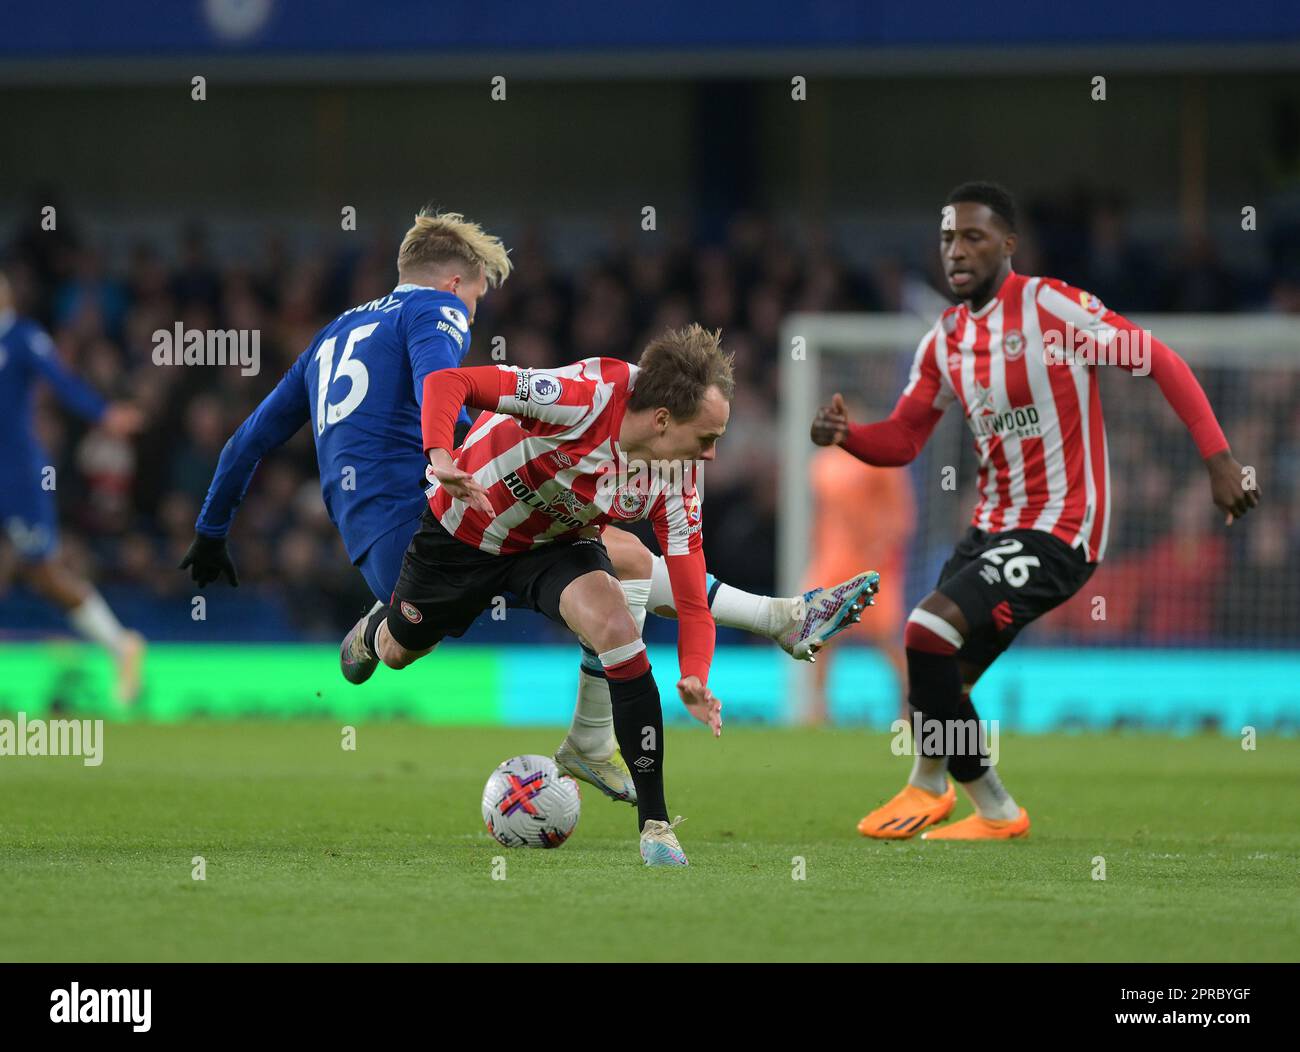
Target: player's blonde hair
x=441, y=238
x=677, y=369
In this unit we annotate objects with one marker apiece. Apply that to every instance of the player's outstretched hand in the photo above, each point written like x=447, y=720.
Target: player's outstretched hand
x=208, y=559
x=830, y=426
x=122, y=419
x=701, y=703
x=460, y=484
x=1234, y=488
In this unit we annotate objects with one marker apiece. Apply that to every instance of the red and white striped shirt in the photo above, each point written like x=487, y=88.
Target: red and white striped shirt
x=547, y=453
x=1021, y=369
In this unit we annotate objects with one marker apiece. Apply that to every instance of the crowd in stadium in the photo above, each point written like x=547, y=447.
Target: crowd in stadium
x=129, y=515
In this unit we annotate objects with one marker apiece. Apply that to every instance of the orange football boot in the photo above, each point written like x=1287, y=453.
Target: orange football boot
x=973, y=827
x=908, y=813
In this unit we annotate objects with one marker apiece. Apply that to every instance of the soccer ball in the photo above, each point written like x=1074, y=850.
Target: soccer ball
x=527, y=802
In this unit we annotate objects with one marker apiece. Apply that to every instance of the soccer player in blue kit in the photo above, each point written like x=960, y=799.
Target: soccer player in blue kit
x=360, y=385
x=27, y=509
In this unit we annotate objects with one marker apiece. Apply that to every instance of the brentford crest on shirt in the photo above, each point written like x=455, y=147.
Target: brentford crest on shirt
x=629, y=502
x=1013, y=344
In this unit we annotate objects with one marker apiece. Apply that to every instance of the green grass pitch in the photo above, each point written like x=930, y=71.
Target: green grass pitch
x=316, y=853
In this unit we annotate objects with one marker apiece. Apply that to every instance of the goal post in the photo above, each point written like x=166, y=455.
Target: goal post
x=1162, y=515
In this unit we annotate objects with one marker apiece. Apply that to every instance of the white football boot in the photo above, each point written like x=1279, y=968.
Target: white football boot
x=818, y=615
x=356, y=662
x=659, y=846
x=610, y=776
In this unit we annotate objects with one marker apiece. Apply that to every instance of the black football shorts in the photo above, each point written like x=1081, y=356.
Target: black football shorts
x=1003, y=581
x=445, y=584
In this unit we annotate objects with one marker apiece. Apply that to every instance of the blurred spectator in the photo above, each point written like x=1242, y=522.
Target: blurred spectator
x=196, y=281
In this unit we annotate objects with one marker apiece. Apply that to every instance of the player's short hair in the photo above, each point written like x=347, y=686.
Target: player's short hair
x=441, y=238
x=997, y=197
x=677, y=369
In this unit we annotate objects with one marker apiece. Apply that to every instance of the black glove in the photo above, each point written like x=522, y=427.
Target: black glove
x=208, y=559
